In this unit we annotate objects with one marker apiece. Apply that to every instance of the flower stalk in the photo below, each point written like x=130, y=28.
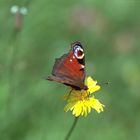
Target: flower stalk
x=71, y=129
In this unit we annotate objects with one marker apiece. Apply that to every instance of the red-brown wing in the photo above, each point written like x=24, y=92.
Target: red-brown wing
x=69, y=71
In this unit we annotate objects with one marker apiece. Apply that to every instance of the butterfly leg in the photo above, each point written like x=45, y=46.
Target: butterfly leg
x=69, y=93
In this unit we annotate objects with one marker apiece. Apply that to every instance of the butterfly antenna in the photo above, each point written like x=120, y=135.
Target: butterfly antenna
x=105, y=83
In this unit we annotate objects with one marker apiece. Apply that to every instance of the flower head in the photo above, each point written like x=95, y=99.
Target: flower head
x=80, y=102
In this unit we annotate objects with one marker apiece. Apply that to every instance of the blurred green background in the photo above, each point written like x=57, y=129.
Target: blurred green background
x=31, y=108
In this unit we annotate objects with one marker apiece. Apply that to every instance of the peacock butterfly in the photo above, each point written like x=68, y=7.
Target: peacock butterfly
x=69, y=69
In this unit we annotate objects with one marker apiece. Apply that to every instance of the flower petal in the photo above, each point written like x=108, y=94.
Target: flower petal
x=69, y=106
x=90, y=82
x=77, y=109
x=96, y=105
x=92, y=87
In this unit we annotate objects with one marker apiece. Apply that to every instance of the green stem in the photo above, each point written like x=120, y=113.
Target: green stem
x=71, y=129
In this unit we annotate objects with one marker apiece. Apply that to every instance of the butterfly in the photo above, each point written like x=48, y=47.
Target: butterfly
x=69, y=69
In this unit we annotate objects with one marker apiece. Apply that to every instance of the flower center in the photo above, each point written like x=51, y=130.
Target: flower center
x=84, y=95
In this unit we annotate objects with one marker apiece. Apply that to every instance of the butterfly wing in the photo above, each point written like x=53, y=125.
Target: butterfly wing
x=69, y=70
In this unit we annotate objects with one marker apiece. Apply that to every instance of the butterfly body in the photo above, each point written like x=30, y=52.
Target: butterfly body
x=69, y=69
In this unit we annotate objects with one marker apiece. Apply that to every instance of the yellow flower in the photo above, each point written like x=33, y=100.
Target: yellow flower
x=80, y=102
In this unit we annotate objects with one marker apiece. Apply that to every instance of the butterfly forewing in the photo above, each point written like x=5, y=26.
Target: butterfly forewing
x=69, y=70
